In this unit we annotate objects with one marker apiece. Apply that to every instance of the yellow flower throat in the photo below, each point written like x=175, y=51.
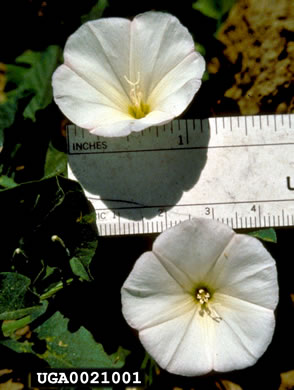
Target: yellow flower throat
x=138, y=109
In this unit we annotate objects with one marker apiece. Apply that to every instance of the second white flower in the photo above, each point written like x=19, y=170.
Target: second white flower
x=203, y=300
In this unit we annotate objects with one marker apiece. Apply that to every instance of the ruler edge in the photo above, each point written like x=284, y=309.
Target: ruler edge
x=187, y=120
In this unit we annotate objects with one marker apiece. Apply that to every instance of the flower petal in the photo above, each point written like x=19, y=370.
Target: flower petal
x=192, y=247
x=184, y=345
x=242, y=335
x=96, y=111
x=96, y=54
x=90, y=88
x=72, y=91
x=167, y=50
x=176, y=90
x=126, y=126
x=151, y=296
x=247, y=271
x=164, y=314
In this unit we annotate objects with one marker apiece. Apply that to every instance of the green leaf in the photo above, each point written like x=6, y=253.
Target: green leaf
x=96, y=11
x=28, y=57
x=200, y=48
x=78, y=269
x=79, y=349
x=55, y=163
x=215, y=9
x=16, y=300
x=7, y=182
x=39, y=78
x=16, y=346
x=85, y=251
x=15, y=73
x=151, y=369
x=49, y=271
x=265, y=235
x=118, y=358
x=9, y=108
x=9, y=327
x=35, y=80
x=48, y=223
x=207, y=8
x=1, y=136
x=69, y=350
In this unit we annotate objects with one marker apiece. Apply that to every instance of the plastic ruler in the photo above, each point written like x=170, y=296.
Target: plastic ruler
x=238, y=170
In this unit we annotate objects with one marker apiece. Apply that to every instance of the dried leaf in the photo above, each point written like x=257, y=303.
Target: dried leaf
x=10, y=385
x=261, y=39
x=5, y=371
x=287, y=380
x=227, y=385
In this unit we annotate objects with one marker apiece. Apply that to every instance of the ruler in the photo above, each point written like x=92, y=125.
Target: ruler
x=238, y=170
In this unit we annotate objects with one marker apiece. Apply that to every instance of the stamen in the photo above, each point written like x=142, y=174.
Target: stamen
x=138, y=109
x=206, y=310
x=135, y=93
x=202, y=295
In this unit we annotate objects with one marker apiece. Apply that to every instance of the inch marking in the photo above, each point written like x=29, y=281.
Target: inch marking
x=149, y=227
x=187, y=148
x=119, y=231
x=259, y=215
x=187, y=132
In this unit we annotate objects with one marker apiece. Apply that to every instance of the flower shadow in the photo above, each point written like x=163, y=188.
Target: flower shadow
x=136, y=184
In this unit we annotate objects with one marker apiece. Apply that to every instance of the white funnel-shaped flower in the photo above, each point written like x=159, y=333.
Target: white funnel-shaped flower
x=121, y=76
x=203, y=300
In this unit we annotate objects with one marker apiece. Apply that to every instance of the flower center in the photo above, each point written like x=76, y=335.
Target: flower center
x=138, y=109
x=202, y=295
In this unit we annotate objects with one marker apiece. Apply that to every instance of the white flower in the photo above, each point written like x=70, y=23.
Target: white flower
x=203, y=300
x=121, y=76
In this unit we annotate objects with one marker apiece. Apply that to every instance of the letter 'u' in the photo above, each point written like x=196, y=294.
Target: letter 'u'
x=40, y=380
